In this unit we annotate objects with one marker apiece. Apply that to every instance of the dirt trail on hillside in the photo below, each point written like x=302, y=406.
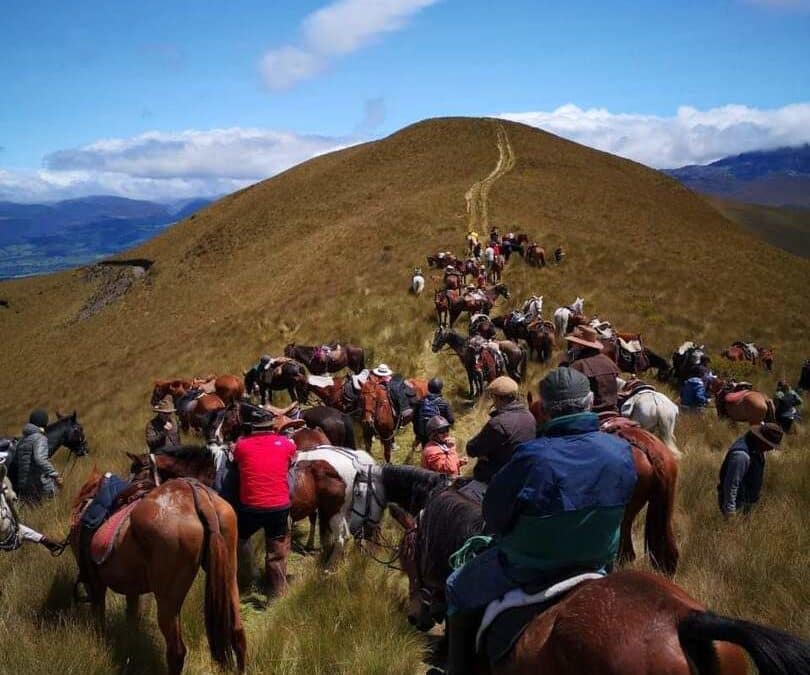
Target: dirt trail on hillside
x=478, y=195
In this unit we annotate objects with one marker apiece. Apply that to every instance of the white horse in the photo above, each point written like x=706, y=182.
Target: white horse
x=563, y=314
x=417, y=283
x=655, y=412
x=364, y=501
x=533, y=307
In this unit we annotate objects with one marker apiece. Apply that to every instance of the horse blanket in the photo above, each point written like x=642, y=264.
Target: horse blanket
x=103, y=542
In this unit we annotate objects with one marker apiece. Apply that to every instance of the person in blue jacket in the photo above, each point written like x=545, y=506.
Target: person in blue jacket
x=694, y=394
x=554, y=510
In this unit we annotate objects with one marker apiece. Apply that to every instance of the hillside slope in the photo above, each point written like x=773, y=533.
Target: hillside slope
x=324, y=251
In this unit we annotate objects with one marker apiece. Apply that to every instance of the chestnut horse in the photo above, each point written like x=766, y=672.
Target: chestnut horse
x=627, y=623
x=540, y=335
x=323, y=359
x=742, y=405
x=535, y=255
x=657, y=471
x=228, y=387
x=738, y=352
x=379, y=417
x=169, y=534
x=456, y=304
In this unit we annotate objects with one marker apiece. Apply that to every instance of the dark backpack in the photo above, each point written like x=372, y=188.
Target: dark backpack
x=428, y=408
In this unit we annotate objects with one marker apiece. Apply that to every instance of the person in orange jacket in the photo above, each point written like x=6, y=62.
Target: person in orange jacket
x=440, y=453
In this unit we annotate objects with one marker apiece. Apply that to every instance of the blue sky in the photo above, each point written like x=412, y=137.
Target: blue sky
x=164, y=99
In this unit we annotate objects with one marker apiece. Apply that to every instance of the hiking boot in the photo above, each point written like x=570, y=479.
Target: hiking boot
x=275, y=566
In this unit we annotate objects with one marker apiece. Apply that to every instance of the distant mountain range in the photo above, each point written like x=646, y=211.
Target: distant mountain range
x=39, y=238
x=770, y=177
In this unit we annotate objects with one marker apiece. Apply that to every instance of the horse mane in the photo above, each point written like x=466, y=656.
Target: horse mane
x=448, y=520
x=411, y=486
x=89, y=488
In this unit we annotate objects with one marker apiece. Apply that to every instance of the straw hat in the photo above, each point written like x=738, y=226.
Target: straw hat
x=382, y=371
x=585, y=336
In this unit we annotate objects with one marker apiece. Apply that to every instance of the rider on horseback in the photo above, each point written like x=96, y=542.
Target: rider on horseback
x=554, y=511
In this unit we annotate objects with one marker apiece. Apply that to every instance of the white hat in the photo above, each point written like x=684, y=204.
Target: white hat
x=382, y=371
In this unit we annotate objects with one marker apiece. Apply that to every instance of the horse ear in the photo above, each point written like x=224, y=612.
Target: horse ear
x=405, y=519
x=73, y=416
x=59, y=414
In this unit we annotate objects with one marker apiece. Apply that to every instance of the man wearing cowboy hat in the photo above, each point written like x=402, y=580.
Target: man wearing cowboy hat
x=263, y=462
x=585, y=355
x=743, y=469
x=399, y=391
x=161, y=430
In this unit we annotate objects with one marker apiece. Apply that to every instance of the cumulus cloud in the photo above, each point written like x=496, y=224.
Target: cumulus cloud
x=164, y=166
x=333, y=31
x=691, y=136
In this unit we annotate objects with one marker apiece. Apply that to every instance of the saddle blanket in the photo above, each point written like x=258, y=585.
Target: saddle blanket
x=736, y=396
x=103, y=542
x=320, y=380
x=522, y=607
x=632, y=346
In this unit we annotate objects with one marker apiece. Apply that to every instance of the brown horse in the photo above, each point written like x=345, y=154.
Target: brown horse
x=657, y=472
x=535, y=254
x=739, y=352
x=195, y=409
x=742, y=403
x=330, y=358
x=540, y=335
x=627, y=623
x=475, y=305
x=638, y=362
x=229, y=388
x=441, y=300
x=331, y=394
x=379, y=417
x=169, y=534
x=442, y=260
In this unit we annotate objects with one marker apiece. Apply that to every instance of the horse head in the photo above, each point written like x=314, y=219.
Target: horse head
x=579, y=305
x=71, y=434
x=439, y=338
x=418, y=606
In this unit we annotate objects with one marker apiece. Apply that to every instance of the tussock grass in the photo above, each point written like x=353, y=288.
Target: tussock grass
x=324, y=252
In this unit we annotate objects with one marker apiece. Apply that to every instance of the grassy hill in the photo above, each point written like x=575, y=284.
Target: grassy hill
x=324, y=251
x=785, y=227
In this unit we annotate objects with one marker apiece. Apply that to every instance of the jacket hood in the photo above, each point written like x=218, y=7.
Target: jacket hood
x=578, y=423
x=29, y=429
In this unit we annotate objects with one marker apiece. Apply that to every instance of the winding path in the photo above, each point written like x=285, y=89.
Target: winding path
x=478, y=195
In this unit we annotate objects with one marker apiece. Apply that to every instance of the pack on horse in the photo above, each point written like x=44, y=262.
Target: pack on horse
x=689, y=360
x=480, y=302
x=631, y=355
x=753, y=353
x=328, y=358
x=586, y=628
x=380, y=416
x=441, y=259
x=481, y=324
x=469, y=268
x=157, y=547
x=66, y=431
x=342, y=393
x=740, y=402
x=540, y=335
x=569, y=317
x=283, y=374
x=535, y=255
x=657, y=472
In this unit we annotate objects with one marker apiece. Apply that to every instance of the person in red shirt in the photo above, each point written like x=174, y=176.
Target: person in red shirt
x=263, y=462
x=440, y=452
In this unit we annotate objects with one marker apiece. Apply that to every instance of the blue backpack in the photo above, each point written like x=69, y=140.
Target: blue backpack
x=428, y=408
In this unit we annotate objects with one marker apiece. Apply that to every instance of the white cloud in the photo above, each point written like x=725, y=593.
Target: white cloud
x=332, y=31
x=165, y=166
x=690, y=137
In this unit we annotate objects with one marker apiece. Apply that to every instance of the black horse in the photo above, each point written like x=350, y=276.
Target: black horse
x=290, y=377
x=65, y=431
x=337, y=426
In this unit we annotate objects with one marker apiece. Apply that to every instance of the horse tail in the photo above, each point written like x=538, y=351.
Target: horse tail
x=219, y=613
x=659, y=539
x=770, y=412
x=348, y=437
x=773, y=651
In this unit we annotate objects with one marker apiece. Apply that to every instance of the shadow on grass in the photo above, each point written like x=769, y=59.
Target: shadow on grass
x=134, y=648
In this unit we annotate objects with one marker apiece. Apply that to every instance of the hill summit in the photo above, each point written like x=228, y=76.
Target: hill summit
x=324, y=251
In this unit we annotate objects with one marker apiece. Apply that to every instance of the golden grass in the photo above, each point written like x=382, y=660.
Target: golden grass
x=323, y=252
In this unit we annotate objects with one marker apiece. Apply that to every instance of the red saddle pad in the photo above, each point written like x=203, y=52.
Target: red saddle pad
x=103, y=540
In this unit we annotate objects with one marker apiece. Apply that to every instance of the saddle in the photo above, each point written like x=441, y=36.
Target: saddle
x=750, y=350
x=735, y=396
x=506, y=619
x=611, y=423
x=632, y=388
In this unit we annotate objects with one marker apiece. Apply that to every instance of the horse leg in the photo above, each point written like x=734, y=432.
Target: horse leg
x=368, y=437
x=99, y=606
x=627, y=552
x=310, y=545
x=169, y=622
x=387, y=450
